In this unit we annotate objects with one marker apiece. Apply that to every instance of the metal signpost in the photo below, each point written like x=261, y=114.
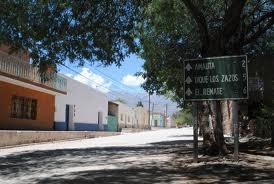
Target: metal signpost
x=216, y=78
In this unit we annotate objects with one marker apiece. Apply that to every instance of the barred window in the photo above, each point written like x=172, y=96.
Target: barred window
x=23, y=108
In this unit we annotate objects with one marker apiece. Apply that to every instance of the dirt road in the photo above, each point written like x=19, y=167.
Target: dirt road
x=162, y=156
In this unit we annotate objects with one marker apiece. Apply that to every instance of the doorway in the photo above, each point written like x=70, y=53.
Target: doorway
x=155, y=123
x=69, y=119
x=100, y=121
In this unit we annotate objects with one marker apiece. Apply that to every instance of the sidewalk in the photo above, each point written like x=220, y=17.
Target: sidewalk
x=14, y=137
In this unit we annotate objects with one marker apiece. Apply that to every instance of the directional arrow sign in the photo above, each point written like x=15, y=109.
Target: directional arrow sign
x=188, y=92
x=188, y=80
x=216, y=78
x=188, y=67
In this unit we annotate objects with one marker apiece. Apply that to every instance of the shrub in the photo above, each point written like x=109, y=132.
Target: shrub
x=264, y=120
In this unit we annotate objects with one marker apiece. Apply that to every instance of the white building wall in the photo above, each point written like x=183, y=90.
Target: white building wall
x=125, y=116
x=171, y=122
x=141, y=116
x=87, y=103
x=132, y=117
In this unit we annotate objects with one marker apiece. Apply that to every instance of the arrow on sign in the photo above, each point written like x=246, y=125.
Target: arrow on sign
x=188, y=67
x=188, y=92
x=188, y=80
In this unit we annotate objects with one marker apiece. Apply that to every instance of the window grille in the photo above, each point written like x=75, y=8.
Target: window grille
x=23, y=108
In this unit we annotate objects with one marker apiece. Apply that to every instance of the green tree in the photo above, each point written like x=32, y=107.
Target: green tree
x=184, y=117
x=139, y=104
x=175, y=30
x=167, y=31
x=78, y=31
x=120, y=100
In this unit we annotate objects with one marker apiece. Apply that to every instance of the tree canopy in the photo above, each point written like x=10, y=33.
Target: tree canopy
x=139, y=104
x=175, y=30
x=78, y=31
x=184, y=117
x=121, y=100
x=163, y=32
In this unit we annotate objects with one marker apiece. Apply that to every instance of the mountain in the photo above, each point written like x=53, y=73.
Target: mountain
x=131, y=99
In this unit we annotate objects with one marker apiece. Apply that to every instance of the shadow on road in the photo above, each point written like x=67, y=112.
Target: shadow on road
x=262, y=148
x=181, y=136
x=162, y=162
x=201, y=174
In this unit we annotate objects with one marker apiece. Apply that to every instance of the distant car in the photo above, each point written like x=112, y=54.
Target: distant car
x=179, y=126
x=183, y=126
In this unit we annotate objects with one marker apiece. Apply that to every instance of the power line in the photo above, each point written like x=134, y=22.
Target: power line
x=113, y=79
x=119, y=86
x=99, y=85
x=108, y=76
x=116, y=93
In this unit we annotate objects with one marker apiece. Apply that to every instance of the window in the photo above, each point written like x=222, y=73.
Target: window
x=121, y=117
x=128, y=119
x=23, y=108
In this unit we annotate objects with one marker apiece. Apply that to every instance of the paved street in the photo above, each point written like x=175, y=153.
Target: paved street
x=160, y=156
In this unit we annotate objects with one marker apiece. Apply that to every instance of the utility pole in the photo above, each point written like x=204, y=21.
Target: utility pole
x=149, y=110
x=152, y=113
x=166, y=117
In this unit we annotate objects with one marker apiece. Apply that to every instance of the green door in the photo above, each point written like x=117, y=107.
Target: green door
x=112, y=123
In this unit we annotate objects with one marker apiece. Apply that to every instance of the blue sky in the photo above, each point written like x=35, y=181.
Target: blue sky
x=111, y=78
x=119, y=82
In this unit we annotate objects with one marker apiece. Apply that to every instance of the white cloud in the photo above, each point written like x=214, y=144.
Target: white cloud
x=68, y=74
x=131, y=80
x=91, y=79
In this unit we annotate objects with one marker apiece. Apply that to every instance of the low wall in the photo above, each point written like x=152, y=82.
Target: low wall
x=13, y=137
x=132, y=130
x=62, y=126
